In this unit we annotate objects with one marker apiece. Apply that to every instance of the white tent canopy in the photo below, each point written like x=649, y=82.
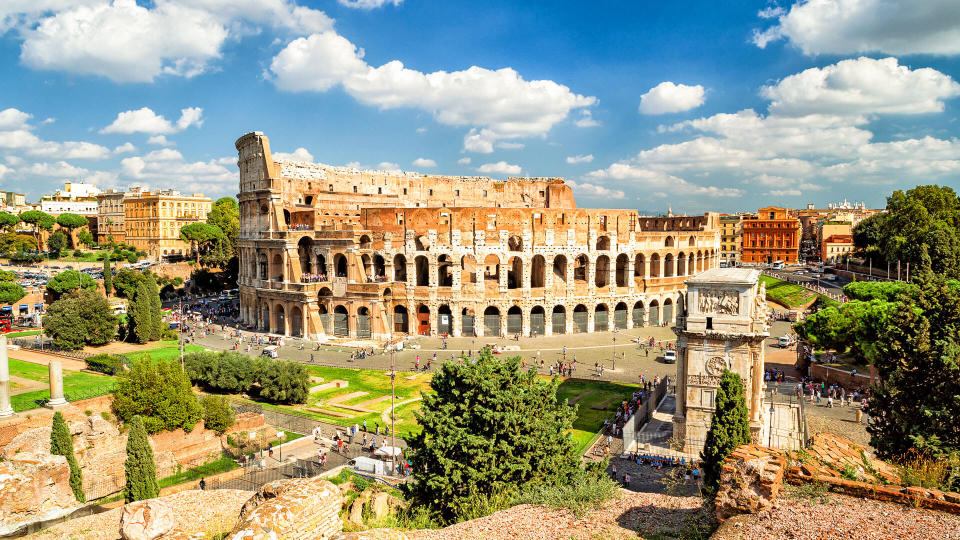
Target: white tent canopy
x=393, y=451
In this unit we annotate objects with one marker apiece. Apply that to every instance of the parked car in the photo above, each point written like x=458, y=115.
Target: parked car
x=670, y=357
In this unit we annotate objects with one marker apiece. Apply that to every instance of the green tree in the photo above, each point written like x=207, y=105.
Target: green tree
x=17, y=243
x=85, y=237
x=80, y=318
x=139, y=467
x=70, y=222
x=70, y=280
x=8, y=221
x=225, y=215
x=11, y=292
x=140, y=325
x=156, y=316
x=217, y=413
x=61, y=444
x=41, y=221
x=729, y=428
x=489, y=430
x=916, y=403
x=107, y=277
x=126, y=281
x=159, y=392
x=283, y=382
x=57, y=243
x=201, y=236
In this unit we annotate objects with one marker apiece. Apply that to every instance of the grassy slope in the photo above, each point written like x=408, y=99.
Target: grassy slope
x=793, y=296
x=589, y=420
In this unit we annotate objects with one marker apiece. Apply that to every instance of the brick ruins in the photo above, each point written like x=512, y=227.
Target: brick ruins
x=376, y=254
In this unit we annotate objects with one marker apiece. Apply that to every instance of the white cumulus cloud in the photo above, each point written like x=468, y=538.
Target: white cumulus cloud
x=594, y=190
x=368, y=4
x=500, y=167
x=843, y=27
x=125, y=148
x=160, y=140
x=424, y=162
x=668, y=97
x=144, y=120
x=464, y=161
x=862, y=86
x=580, y=159
x=300, y=154
x=497, y=104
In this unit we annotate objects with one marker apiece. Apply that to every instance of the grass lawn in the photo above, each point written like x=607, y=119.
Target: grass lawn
x=163, y=350
x=29, y=370
x=88, y=256
x=75, y=384
x=600, y=403
x=789, y=294
x=23, y=333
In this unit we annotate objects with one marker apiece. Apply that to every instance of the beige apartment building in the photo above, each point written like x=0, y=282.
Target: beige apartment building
x=110, y=216
x=153, y=219
x=731, y=236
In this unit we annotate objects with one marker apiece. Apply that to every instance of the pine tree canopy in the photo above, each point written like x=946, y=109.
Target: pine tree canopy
x=729, y=428
x=140, y=469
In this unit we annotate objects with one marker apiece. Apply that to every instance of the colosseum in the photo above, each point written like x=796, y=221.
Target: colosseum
x=334, y=251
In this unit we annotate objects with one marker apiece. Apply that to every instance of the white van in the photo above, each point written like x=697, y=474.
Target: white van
x=270, y=351
x=777, y=265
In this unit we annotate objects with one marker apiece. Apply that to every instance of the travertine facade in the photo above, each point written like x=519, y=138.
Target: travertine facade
x=724, y=328
x=372, y=254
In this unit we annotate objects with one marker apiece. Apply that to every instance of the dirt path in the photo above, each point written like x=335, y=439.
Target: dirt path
x=44, y=359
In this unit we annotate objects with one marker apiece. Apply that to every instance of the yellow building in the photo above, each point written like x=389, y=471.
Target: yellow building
x=152, y=220
x=110, y=216
x=731, y=236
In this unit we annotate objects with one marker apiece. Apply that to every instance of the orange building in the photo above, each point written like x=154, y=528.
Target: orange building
x=770, y=235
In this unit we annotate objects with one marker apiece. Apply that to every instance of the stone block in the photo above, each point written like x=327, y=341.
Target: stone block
x=34, y=487
x=294, y=509
x=750, y=480
x=147, y=520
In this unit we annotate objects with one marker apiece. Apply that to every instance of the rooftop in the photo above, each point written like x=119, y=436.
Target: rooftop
x=746, y=276
x=304, y=170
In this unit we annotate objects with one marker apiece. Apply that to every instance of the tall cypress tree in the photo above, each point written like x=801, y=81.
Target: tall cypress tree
x=107, y=276
x=61, y=444
x=139, y=315
x=729, y=428
x=156, y=317
x=140, y=470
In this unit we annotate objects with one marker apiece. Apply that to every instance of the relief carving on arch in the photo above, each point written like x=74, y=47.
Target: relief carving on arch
x=720, y=301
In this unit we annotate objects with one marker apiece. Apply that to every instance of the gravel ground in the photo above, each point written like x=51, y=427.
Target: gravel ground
x=846, y=428
x=211, y=512
x=620, y=518
x=843, y=517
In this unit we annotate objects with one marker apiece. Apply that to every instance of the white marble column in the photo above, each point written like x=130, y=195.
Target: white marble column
x=5, y=408
x=56, y=385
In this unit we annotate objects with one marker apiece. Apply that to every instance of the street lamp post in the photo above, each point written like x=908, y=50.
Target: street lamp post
x=614, y=353
x=393, y=415
x=280, y=436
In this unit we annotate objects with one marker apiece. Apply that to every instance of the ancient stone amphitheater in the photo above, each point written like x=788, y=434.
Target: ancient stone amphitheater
x=334, y=251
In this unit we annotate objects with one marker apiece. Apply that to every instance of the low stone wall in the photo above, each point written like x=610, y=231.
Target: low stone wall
x=845, y=378
x=298, y=508
x=34, y=418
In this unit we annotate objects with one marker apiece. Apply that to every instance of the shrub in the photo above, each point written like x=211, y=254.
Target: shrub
x=729, y=428
x=61, y=444
x=104, y=363
x=586, y=491
x=139, y=468
x=77, y=253
x=160, y=393
x=275, y=380
x=217, y=413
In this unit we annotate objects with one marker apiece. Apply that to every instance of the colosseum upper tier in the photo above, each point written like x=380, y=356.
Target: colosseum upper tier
x=334, y=251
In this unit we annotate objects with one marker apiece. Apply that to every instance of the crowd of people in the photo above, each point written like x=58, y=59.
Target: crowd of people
x=313, y=278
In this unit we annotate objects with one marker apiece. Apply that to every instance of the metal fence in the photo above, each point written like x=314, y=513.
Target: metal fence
x=283, y=421
x=49, y=348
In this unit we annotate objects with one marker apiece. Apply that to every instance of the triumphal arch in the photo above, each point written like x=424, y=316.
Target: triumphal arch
x=724, y=327
x=371, y=254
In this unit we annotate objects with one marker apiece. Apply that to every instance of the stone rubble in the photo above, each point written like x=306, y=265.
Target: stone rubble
x=147, y=520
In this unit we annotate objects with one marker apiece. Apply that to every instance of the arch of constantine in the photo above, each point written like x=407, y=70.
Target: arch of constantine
x=335, y=251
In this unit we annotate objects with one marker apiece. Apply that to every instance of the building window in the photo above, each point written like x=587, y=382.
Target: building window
x=354, y=189
x=404, y=191
x=456, y=193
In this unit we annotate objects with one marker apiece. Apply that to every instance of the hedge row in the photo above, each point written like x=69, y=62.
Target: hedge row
x=278, y=381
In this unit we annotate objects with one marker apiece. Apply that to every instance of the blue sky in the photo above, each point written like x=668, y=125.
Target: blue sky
x=698, y=105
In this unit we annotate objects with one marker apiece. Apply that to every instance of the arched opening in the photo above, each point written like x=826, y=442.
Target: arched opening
x=538, y=321
x=264, y=267
x=324, y=292
x=399, y=268
x=692, y=241
x=308, y=200
x=491, y=271
x=560, y=269
x=681, y=264
x=515, y=243
x=265, y=318
x=602, y=276
x=603, y=243
x=468, y=269
x=321, y=267
x=277, y=268
x=296, y=322
x=468, y=323
x=281, y=323
x=444, y=271
x=367, y=263
x=286, y=217
x=580, y=318
x=379, y=268
x=699, y=267
x=422, y=243
x=514, y=320
x=340, y=264
x=341, y=325
x=363, y=323
x=444, y=320
x=580, y=266
x=638, y=314
x=601, y=318
x=423, y=320
x=422, y=267
x=655, y=265
x=491, y=322
x=653, y=314
x=515, y=273
x=639, y=266
x=668, y=269
x=623, y=269
x=305, y=253
x=620, y=316
x=537, y=272
x=387, y=292
x=558, y=320
x=667, y=311
x=365, y=242
x=668, y=242
x=400, y=320
x=324, y=318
